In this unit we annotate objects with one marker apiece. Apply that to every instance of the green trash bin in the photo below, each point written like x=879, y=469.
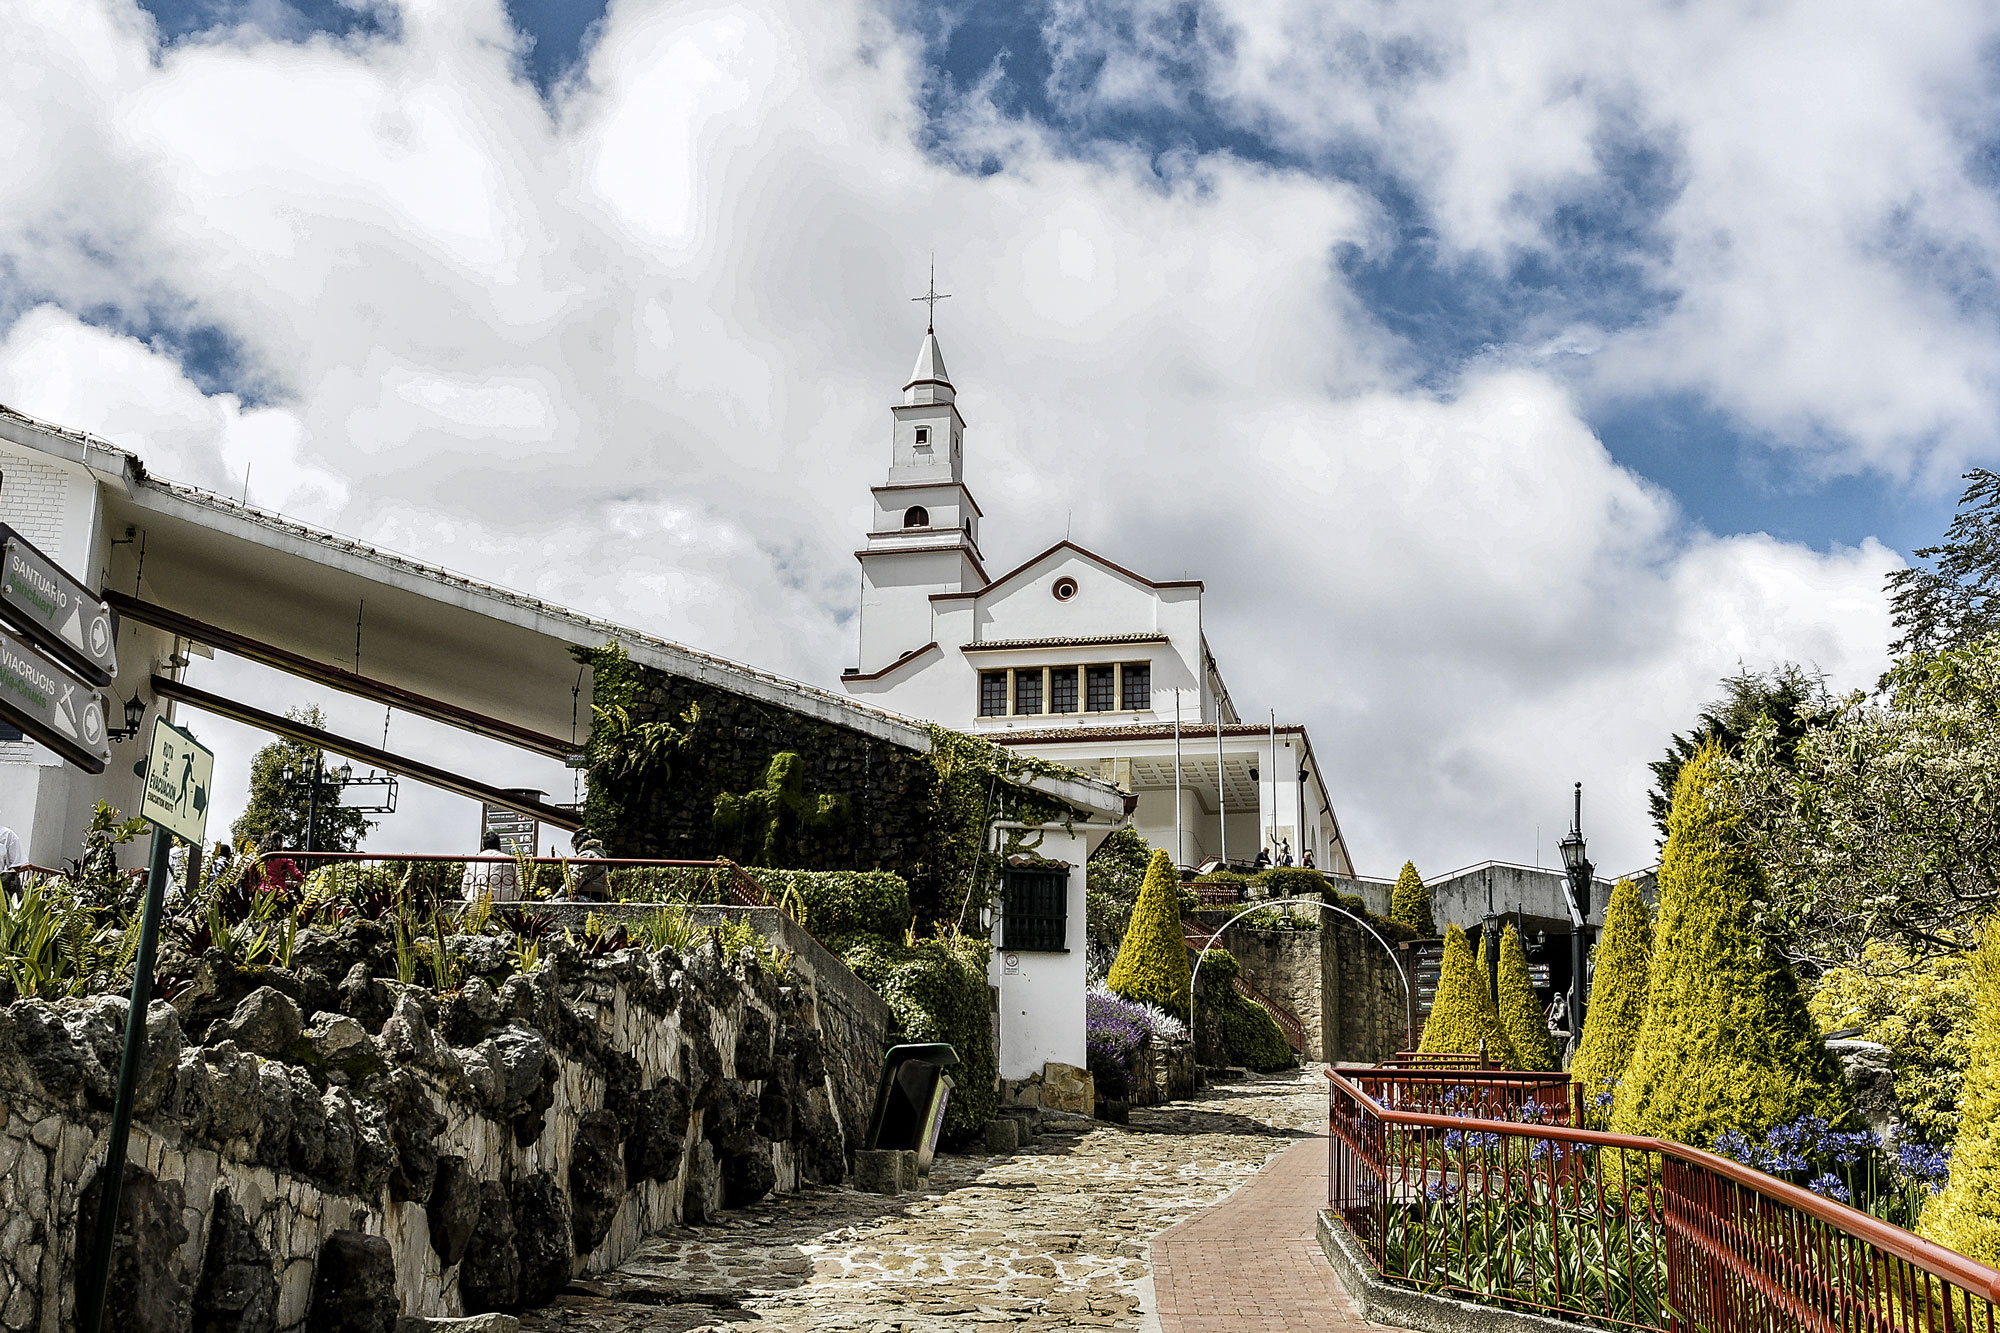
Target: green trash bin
x=910, y=1099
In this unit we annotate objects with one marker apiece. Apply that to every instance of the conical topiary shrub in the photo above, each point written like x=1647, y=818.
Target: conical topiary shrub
x=1462, y=1011
x=1410, y=903
x=1966, y=1214
x=1521, y=1015
x=1726, y=1043
x=1152, y=963
x=1624, y=962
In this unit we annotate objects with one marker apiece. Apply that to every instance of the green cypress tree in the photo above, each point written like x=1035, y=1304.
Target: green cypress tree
x=1965, y=1215
x=1521, y=1013
x=1462, y=1013
x=1410, y=903
x=1726, y=1042
x=1152, y=962
x=1624, y=962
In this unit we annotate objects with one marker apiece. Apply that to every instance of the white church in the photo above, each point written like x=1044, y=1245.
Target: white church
x=1073, y=658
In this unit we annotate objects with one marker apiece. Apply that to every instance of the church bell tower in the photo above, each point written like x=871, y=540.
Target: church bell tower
x=924, y=536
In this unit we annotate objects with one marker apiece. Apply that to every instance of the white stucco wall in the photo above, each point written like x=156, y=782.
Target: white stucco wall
x=1041, y=994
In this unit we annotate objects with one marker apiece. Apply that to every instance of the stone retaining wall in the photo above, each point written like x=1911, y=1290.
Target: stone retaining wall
x=1346, y=989
x=446, y=1155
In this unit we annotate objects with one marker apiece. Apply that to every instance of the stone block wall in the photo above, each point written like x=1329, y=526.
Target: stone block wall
x=1345, y=988
x=323, y=1135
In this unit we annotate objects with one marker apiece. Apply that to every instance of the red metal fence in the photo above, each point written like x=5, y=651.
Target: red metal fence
x=1499, y=1201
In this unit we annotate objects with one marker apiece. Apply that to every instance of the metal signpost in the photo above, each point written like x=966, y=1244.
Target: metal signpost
x=175, y=801
x=517, y=831
x=49, y=704
x=57, y=612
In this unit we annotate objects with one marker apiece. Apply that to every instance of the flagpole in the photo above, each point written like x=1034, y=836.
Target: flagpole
x=1180, y=848
x=1221, y=786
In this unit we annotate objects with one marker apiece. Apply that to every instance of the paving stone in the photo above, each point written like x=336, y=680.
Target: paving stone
x=1055, y=1236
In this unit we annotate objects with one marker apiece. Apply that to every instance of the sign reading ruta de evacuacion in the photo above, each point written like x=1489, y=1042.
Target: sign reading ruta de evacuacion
x=42, y=698
x=178, y=769
x=57, y=612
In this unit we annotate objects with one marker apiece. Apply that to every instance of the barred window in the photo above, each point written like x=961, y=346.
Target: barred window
x=1062, y=690
x=1035, y=910
x=1100, y=689
x=1028, y=690
x=992, y=694
x=1138, y=685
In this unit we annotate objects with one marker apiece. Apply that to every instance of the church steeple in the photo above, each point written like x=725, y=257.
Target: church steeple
x=925, y=534
x=929, y=382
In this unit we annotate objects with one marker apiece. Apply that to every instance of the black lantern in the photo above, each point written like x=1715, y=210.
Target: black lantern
x=135, y=713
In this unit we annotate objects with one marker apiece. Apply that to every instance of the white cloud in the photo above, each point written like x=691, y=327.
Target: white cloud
x=1826, y=246
x=633, y=353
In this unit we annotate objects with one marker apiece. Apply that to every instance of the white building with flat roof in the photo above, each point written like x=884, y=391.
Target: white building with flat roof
x=1071, y=657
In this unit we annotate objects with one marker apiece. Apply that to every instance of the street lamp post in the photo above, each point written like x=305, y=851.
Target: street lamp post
x=1579, y=870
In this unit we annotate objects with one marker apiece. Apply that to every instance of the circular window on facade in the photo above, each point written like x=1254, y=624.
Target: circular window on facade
x=1065, y=589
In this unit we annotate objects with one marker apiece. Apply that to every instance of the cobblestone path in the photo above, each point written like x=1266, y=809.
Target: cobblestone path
x=1055, y=1236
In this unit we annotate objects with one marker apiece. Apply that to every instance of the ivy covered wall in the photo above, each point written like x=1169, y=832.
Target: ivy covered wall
x=680, y=769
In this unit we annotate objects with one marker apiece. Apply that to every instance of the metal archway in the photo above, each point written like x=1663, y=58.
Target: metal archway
x=1194, y=978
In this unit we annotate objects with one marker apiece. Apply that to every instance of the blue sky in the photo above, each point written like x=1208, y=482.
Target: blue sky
x=1511, y=371
x=1728, y=475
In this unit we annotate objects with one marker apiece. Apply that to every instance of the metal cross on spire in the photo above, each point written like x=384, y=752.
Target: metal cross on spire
x=932, y=297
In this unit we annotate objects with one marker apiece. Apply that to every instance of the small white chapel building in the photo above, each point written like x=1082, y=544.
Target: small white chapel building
x=1071, y=657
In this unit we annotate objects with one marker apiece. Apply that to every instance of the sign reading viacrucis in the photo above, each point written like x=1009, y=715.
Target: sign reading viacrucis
x=67, y=645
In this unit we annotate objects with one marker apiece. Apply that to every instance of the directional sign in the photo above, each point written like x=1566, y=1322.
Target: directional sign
x=41, y=697
x=56, y=611
x=178, y=769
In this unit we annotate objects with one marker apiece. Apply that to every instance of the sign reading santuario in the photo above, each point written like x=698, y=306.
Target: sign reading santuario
x=41, y=697
x=57, y=612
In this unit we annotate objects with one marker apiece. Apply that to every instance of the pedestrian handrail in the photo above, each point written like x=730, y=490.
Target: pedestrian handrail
x=1287, y=1021
x=740, y=888
x=1515, y=1209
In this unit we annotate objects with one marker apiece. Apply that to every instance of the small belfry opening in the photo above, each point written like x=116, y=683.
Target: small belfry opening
x=916, y=516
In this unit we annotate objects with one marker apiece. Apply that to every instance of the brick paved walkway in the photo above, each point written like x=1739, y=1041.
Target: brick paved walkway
x=1251, y=1261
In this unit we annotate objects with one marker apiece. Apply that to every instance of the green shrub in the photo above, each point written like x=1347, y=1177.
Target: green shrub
x=1623, y=964
x=1112, y=879
x=1521, y=1013
x=673, y=884
x=1921, y=1009
x=1462, y=1014
x=938, y=990
x=1249, y=1033
x=1281, y=918
x=1966, y=1214
x=1411, y=902
x=1153, y=961
x=842, y=904
x=1290, y=882
x=1726, y=1043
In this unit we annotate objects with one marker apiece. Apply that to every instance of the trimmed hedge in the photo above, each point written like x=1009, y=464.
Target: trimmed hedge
x=1624, y=962
x=1462, y=1014
x=1153, y=961
x=1726, y=1043
x=1410, y=902
x=843, y=903
x=938, y=990
x=1290, y=882
x=1249, y=1033
x=1521, y=1013
x=1966, y=1214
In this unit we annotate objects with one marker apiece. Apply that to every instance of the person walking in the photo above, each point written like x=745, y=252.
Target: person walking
x=500, y=880
x=13, y=855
